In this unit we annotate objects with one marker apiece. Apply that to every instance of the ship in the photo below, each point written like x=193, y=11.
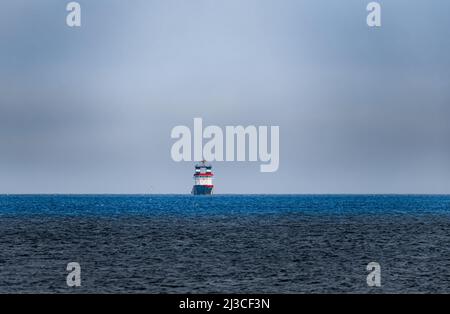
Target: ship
x=203, y=179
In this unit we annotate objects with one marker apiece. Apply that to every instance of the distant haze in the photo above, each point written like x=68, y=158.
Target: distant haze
x=90, y=109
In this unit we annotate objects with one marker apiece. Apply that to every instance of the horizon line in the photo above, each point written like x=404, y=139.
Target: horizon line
x=224, y=194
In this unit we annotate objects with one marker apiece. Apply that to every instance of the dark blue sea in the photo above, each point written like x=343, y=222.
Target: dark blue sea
x=225, y=244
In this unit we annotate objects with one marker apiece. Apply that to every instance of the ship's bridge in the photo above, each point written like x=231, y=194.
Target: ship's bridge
x=203, y=169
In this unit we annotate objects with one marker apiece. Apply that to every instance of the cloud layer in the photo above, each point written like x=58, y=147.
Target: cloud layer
x=90, y=110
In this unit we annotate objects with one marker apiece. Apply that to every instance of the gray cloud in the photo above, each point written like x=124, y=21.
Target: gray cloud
x=90, y=110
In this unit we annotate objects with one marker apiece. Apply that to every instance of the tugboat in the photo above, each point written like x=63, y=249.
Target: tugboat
x=203, y=179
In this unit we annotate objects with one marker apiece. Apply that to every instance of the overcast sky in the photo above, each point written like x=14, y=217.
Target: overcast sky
x=90, y=110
